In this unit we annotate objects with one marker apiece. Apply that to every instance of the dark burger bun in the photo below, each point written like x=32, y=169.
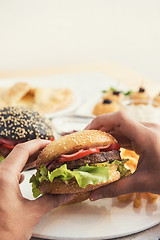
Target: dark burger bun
x=74, y=142
x=24, y=124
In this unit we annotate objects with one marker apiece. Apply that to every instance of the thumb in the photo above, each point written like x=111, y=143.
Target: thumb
x=123, y=186
x=47, y=202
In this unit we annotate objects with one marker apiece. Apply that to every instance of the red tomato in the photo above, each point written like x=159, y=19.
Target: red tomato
x=114, y=146
x=8, y=146
x=8, y=143
x=11, y=143
x=51, y=139
x=80, y=154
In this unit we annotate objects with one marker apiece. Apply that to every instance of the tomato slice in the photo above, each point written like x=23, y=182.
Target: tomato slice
x=8, y=143
x=80, y=154
x=11, y=143
x=51, y=139
x=8, y=146
x=114, y=146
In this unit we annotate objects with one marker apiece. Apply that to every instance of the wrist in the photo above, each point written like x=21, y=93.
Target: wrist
x=7, y=235
x=14, y=234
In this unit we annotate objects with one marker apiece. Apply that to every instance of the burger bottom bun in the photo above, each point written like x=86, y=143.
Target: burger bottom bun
x=71, y=187
x=79, y=197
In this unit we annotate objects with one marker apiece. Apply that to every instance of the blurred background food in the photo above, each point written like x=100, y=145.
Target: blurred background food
x=156, y=100
x=138, y=104
x=140, y=97
x=106, y=106
x=44, y=100
x=110, y=102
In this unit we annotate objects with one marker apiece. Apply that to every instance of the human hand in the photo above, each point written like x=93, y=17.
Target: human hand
x=144, y=139
x=18, y=214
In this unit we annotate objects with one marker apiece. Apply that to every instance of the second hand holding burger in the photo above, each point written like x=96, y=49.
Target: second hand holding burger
x=78, y=163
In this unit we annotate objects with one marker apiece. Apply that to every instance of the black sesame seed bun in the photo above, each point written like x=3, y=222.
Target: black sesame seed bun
x=24, y=124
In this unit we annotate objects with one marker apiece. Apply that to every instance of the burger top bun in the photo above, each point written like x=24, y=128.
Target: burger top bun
x=74, y=142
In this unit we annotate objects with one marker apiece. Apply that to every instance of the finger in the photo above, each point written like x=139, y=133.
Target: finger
x=153, y=126
x=33, y=157
x=47, y=202
x=17, y=159
x=131, y=129
x=123, y=186
x=31, y=162
x=122, y=140
x=95, y=123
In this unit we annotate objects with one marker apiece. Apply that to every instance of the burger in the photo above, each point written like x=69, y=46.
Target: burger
x=78, y=163
x=18, y=125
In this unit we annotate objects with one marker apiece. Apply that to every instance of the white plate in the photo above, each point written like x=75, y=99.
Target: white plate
x=104, y=219
x=71, y=108
x=87, y=108
x=67, y=124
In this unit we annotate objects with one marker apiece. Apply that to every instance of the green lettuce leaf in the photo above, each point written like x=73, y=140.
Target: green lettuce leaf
x=1, y=158
x=84, y=175
x=63, y=173
x=35, y=184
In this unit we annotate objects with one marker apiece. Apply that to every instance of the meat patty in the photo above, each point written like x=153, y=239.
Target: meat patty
x=100, y=157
